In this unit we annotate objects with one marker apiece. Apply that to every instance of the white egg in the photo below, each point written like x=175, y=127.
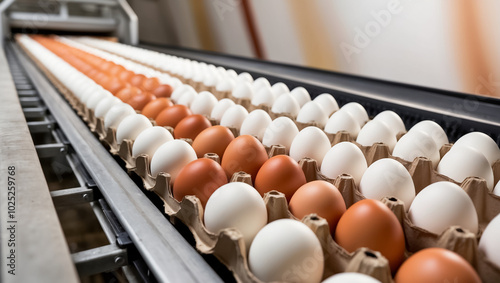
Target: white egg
x=178, y=92
x=211, y=79
x=104, y=105
x=357, y=111
x=263, y=96
x=279, y=89
x=97, y=97
x=483, y=143
x=311, y=142
x=203, y=103
x=116, y=114
x=496, y=191
x=245, y=77
x=489, y=243
x=342, y=121
x=286, y=104
x=234, y=117
x=225, y=84
x=392, y=120
x=387, y=177
x=441, y=205
x=417, y=144
x=462, y=162
x=171, y=157
x=260, y=82
x=148, y=141
x=434, y=130
x=281, y=131
x=312, y=112
x=350, y=277
x=232, y=73
x=243, y=90
x=187, y=97
x=328, y=103
x=344, y=158
x=301, y=95
x=255, y=124
x=131, y=126
x=236, y=205
x=286, y=250
x=376, y=131
x=220, y=108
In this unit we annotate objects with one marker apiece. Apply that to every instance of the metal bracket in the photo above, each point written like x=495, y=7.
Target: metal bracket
x=100, y=259
x=72, y=196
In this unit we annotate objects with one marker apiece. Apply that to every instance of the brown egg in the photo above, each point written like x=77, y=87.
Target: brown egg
x=150, y=84
x=127, y=93
x=116, y=70
x=212, y=140
x=320, y=197
x=137, y=80
x=369, y=223
x=163, y=91
x=436, y=265
x=280, y=173
x=172, y=115
x=106, y=66
x=244, y=153
x=126, y=75
x=115, y=85
x=191, y=126
x=140, y=100
x=154, y=107
x=201, y=178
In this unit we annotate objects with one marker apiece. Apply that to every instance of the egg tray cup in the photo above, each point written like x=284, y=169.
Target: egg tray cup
x=454, y=238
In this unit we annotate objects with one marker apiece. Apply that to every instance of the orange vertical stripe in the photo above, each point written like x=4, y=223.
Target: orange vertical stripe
x=250, y=22
x=203, y=26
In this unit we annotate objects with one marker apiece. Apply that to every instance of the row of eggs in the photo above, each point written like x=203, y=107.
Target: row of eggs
x=200, y=159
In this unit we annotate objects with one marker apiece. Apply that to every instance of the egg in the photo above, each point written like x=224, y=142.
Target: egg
x=312, y=112
x=96, y=98
x=204, y=103
x=496, y=190
x=357, y=111
x=234, y=117
x=154, y=107
x=301, y=95
x=489, y=244
x=164, y=90
x=137, y=80
x=417, y=144
x=139, y=101
x=342, y=121
x=148, y=141
x=116, y=114
x=311, y=142
x=244, y=153
x=220, y=108
x=255, y=123
x=376, y=131
x=128, y=92
x=150, y=84
x=436, y=265
x=245, y=77
x=171, y=116
x=179, y=92
x=441, y=205
x=279, y=88
x=373, y=218
x=263, y=96
x=280, y=173
x=171, y=157
x=327, y=102
x=191, y=126
x=200, y=178
x=286, y=250
x=213, y=140
x=236, y=205
x=387, y=177
x=225, y=84
x=286, y=104
x=433, y=129
x=392, y=120
x=344, y=158
x=260, y=82
x=483, y=143
x=319, y=197
x=187, y=97
x=243, y=90
x=131, y=126
x=350, y=277
x=281, y=131
x=462, y=162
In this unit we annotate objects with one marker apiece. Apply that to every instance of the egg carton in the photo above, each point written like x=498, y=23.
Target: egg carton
x=455, y=238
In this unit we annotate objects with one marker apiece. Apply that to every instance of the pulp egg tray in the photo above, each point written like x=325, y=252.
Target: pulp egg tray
x=229, y=247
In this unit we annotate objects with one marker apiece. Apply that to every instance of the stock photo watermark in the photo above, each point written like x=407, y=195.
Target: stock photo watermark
x=222, y=7
x=489, y=86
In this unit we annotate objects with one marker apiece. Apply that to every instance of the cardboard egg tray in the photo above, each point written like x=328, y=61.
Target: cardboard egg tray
x=229, y=247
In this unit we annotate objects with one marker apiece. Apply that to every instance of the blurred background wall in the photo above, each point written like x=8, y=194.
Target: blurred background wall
x=448, y=44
